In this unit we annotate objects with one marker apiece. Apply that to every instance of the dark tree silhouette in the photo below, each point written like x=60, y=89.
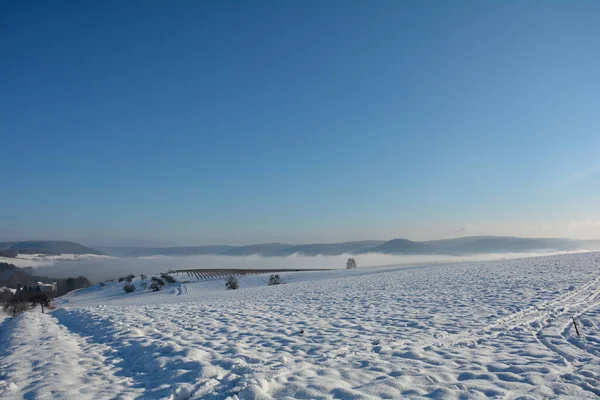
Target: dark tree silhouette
x=168, y=278
x=16, y=305
x=158, y=281
x=232, y=283
x=42, y=299
x=351, y=263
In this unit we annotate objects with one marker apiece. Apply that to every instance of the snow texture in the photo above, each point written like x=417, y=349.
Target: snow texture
x=500, y=329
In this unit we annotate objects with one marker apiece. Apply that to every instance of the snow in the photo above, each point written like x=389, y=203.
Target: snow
x=473, y=330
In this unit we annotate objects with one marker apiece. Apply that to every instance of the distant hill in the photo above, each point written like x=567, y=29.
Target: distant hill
x=180, y=251
x=54, y=247
x=119, y=251
x=403, y=246
x=513, y=245
x=266, y=249
x=509, y=244
x=329, y=249
x=472, y=245
x=260, y=249
x=13, y=277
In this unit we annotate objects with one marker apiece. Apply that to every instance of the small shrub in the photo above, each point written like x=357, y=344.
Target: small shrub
x=274, y=280
x=121, y=279
x=15, y=306
x=129, y=278
x=143, y=276
x=154, y=287
x=144, y=285
x=232, y=283
x=351, y=263
x=158, y=281
x=128, y=288
x=168, y=278
x=101, y=284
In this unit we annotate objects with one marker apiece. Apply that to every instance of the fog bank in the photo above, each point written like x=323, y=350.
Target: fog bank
x=101, y=269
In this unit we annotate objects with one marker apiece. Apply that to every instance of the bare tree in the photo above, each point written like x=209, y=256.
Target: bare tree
x=16, y=305
x=351, y=263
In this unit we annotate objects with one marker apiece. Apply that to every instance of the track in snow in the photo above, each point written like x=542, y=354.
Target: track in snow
x=534, y=318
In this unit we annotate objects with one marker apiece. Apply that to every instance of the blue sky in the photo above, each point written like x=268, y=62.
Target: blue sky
x=236, y=122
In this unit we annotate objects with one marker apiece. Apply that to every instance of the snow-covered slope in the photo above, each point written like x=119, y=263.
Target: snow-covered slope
x=475, y=330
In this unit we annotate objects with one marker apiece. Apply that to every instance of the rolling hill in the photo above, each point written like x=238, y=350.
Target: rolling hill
x=53, y=247
x=329, y=249
x=508, y=244
x=403, y=246
x=472, y=245
x=180, y=250
x=260, y=249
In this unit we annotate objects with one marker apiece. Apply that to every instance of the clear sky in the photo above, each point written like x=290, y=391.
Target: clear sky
x=196, y=122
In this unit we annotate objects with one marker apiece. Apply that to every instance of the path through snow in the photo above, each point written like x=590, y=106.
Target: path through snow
x=42, y=359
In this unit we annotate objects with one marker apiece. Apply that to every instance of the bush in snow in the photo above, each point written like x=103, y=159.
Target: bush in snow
x=121, y=279
x=232, y=283
x=128, y=288
x=64, y=286
x=168, y=278
x=351, y=263
x=274, y=280
x=144, y=285
x=155, y=287
x=129, y=278
x=158, y=281
x=101, y=284
x=16, y=305
x=143, y=276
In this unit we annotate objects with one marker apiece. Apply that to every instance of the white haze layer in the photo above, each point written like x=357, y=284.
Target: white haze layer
x=101, y=269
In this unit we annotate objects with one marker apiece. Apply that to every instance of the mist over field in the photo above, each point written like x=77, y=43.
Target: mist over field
x=101, y=269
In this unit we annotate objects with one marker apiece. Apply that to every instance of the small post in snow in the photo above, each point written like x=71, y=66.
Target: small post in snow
x=575, y=324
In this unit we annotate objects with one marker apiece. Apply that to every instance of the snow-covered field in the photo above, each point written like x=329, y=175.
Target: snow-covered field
x=474, y=330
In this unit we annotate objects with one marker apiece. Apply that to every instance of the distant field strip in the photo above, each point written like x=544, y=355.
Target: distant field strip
x=206, y=274
x=215, y=273
x=427, y=262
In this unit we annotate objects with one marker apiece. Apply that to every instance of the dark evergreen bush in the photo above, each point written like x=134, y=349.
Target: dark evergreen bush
x=232, y=283
x=274, y=280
